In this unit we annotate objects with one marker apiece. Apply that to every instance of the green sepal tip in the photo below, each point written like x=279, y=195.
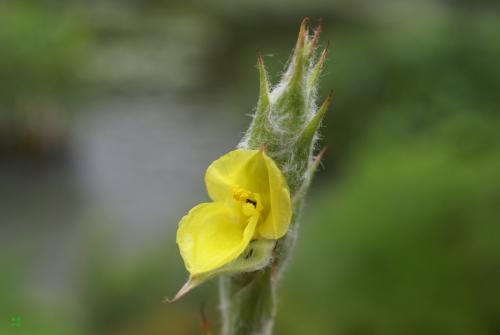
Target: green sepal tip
x=306, y=138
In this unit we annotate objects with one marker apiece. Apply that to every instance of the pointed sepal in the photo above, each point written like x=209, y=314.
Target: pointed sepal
x=313, y=43
x=306, y=138
x=263, y=103
x=297, y=66
x=312, y=80
x=299, y=55
x=191, y=283
x=290, y=103
x=311, y=171
x=260, y=121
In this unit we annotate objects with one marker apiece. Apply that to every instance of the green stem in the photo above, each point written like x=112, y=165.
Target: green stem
x=248, y=303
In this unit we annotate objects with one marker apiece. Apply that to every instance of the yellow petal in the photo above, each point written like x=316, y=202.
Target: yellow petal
x=212, y=235
x=238, y=168
x=279, y=214
x=256, y=172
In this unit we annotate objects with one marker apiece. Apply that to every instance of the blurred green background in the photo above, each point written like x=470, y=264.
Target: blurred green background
x=110, y=112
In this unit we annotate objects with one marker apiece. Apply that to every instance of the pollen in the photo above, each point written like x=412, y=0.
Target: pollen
x=240, y=194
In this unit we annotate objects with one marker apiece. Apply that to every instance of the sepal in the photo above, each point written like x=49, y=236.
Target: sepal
x=263, y=103
x=261, y=119
x=316, y=70
x=311, y=171
x=311, y=47
x=256, y=256
x=306, y=138
x=290, y=100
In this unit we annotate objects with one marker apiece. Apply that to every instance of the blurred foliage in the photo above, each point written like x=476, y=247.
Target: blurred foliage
x=123, y=294
x=40, y=51
x=405, y=80
x=15, y=301
x=408, y=243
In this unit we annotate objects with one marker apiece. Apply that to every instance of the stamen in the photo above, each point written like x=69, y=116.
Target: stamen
x=247, y=198
x=240, y=194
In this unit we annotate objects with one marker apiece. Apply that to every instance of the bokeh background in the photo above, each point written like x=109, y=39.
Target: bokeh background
x=110, y=112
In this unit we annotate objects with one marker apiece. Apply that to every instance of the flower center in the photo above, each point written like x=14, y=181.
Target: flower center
x=249, y=201
x=240, y=194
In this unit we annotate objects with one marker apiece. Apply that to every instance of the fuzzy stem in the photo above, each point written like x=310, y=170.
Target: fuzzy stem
x=248, y=303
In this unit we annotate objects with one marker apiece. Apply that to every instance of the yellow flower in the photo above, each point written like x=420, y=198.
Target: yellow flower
x=251, y=201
